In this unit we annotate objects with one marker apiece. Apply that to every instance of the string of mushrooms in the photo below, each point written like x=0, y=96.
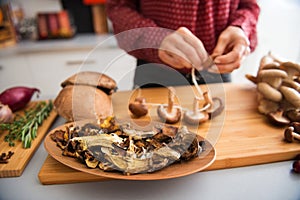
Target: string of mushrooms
x=171, y=113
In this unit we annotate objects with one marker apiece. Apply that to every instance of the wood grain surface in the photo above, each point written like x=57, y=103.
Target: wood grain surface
x=241, y=136
x=22, y=156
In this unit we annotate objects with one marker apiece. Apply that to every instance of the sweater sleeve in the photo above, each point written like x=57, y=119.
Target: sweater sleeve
x=137, y=35
x=246, y=17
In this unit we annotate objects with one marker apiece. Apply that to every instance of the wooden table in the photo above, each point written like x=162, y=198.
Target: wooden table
x=242, y=136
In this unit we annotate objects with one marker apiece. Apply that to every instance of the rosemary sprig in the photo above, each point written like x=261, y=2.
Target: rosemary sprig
x=24, y=128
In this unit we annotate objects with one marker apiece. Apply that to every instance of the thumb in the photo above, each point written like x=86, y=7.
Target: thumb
x=219, y=49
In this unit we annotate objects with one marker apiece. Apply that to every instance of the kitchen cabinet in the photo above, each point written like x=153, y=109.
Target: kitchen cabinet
x=45, y=68
x=9, y=76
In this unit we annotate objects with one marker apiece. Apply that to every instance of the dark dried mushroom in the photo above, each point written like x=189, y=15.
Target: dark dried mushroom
x=4, y=157
x=290, y=135
x=169, y=114
x=138, y=108
x=277, y=118
x=195, y=117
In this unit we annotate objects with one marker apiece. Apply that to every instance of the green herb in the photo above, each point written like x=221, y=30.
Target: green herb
x=24, y=128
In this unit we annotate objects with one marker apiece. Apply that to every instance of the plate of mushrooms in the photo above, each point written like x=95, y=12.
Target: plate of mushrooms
x=118, y=149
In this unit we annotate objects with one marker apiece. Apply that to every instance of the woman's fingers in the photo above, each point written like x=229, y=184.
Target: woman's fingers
x=182, y=49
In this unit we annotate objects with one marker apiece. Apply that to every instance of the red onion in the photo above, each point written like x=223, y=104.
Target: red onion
x=6, y=115
x=17, y=97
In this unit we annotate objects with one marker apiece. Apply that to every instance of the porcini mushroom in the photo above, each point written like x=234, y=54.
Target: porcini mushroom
x=269, y=92
x=290, y=135
x=195, y=117
x=272, y=76
x=138, y=108
x=169, y=113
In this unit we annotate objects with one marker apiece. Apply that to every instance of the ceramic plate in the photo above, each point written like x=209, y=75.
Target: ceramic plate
x=175, y=170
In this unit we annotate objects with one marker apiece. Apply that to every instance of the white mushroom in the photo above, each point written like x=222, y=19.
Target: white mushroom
x=195, y=116
x=170, y=114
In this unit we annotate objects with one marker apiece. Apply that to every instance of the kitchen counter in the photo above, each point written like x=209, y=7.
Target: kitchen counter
x=264, y=181
x=267, y=181
x=78, y=42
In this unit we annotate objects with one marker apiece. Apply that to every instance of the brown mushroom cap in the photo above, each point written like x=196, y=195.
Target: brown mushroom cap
x=95, y=79
x=277, y=118
x=138, y=108
x=290, y=135
x=79, y=102
x=269, y=92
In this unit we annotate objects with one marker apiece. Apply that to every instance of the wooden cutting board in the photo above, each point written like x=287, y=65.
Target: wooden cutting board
x=241, y=135
x=21, y=156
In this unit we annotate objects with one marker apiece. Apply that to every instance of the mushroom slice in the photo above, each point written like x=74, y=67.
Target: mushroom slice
x=269, y=92
x=194, y=117
x=169, y=113
x=291, y=95
x=138, y=108
x=278, y=118
x=272, y=76
x=95, y=79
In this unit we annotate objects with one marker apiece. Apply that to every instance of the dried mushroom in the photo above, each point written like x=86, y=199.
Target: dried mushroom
x=85, y=95
x=128, y=150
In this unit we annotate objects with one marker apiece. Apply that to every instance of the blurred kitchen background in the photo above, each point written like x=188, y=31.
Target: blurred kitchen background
x=38, y=52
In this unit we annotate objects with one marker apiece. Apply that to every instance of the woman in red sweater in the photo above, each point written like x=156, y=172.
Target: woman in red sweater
x=170, y=37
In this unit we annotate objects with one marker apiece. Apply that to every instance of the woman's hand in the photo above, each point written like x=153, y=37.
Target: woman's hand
x=182, y=49
x=232, y=47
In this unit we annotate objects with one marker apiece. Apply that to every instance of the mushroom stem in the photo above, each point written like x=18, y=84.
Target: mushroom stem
x=200, y=93
x=208, y=100
x=290, y=135
x=170, y=99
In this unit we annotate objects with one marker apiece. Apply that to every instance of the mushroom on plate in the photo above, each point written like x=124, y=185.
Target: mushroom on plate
x=169, y=113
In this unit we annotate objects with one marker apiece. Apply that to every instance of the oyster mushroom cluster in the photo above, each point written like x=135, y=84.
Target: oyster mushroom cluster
x=278, y=87
x=113, y=146
x=85, y=95
x=203, y=109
